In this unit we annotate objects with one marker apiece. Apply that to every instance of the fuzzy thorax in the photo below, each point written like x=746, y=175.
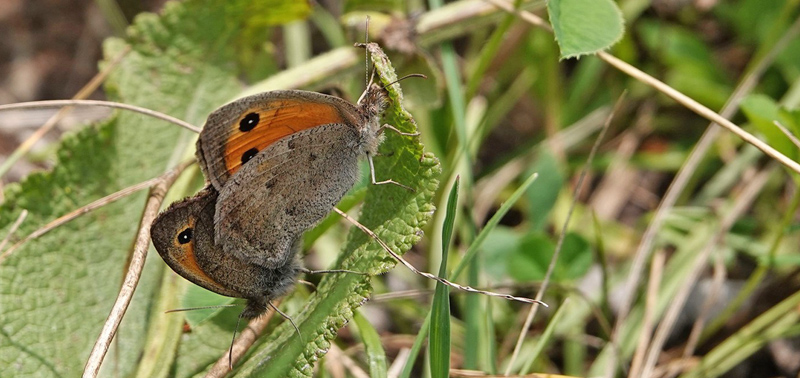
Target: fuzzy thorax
x=371, y=108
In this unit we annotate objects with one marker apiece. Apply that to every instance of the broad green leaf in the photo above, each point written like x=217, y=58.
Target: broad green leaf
x=58, y=289
x=504, y=241
x=535, y=251
x=194, y=297
x=585, y=26
x=395, y=214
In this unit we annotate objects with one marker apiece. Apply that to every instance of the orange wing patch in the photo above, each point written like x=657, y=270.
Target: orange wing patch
x=187, y=262
x=259, y=127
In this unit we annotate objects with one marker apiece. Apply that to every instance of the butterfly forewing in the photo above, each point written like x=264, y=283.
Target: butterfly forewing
x=235, y=133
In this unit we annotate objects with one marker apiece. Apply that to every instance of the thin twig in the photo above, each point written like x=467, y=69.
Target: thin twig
x=788, y=133
x=83, y=210
x=660, y=86
x=108, y=104
x=157, y=193
x=682, y=179
x=83, y=93
x=12, y=230
x=653, y=285
x=554, y=260
x=712, y=299
x=410, y=267
x=700, y=110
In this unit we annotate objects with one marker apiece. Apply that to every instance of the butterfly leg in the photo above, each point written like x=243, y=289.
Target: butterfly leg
x=307, y=283
x=375, y=182
x=390, y=127
x=287, y=318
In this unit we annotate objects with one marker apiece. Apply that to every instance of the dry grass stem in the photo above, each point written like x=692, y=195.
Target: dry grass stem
x=21, y=218
x=108, y=104
x=82, y=94
x=653, y=285
x=154, y=200
x=742, y=203
x=551, y=267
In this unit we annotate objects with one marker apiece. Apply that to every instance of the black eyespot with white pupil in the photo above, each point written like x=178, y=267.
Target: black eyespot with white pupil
x=249, y=154
x=185, y=236
x=249, y=122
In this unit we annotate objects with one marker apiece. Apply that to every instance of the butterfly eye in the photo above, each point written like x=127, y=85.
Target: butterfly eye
x=249, y=154
x=249, y=122
x=185, y=236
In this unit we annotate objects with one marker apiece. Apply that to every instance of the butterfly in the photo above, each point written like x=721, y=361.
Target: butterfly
x=277, y=163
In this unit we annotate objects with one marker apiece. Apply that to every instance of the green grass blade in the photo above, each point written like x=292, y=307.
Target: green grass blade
x=492, y=223
x=439, y=344
x=376, y=356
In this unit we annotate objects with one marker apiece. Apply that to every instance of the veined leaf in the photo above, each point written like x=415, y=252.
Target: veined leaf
x=585, y=26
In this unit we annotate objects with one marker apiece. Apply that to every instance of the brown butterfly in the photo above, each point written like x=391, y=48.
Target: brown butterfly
x=277, y=163
x=184, y=237
x=281, y=160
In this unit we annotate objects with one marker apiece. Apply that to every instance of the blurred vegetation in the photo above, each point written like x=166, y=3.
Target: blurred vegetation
x=711, y=221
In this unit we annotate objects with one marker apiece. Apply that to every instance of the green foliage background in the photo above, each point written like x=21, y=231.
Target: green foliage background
x=503, y=102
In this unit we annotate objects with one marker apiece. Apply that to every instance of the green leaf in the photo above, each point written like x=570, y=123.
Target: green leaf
x=692, y=67
x=57, y=289
x=395, y=214
x=492, y=223
x=762, y=111
x=585, y=26
x=376, y=357
x=439, y=343
x=535, y=251
x=543, y=193
x=504, y=241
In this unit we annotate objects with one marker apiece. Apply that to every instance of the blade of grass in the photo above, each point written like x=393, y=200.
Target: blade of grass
x=546, y=336
x=773, y=324
x=489, y=52
x=439, y=344
x=376, y=356
x=554, y=260
x=328, y=26
x=493, y=222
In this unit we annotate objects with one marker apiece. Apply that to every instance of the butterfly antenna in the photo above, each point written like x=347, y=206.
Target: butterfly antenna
x=287, y=318
x=201, y=308
x=369, y=75
x=428, y=275
x=366, y=54
x=405, y=77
